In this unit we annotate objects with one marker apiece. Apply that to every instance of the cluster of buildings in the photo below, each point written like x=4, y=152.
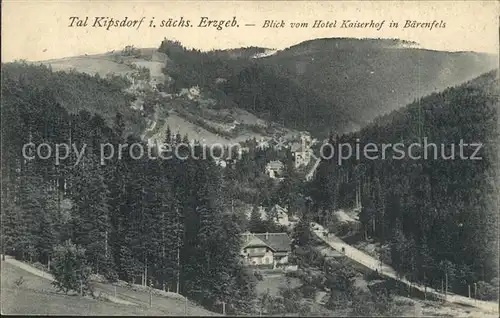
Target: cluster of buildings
x=301, y=152
x=302, y=155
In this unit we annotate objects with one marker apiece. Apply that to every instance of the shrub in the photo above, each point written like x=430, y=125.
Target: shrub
x=294, y=274
x=344, y=229
x=39, y=266
x=269, y=304
x=338, y=300
x=308, y=291
x=372, y=275
x=69, y=268
x=488, y=291
x=102, y=297
x=258, y=275
x=19, y=281
x=291, y=298
x=130, y=50
x=108, y=271
x=111, y=275
x=364, y=304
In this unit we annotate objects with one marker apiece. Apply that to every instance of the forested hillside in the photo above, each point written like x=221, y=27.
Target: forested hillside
x=160, y=220
x=323, y=84
x=369, y=77
x=172, y=223
x=280, y=99
x=191, y=67
x=438, y=217
x=79, y=91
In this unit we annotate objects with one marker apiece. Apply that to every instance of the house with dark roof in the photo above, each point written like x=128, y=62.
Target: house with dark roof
x=301, y=154
x=266, y=249
x=274, y=169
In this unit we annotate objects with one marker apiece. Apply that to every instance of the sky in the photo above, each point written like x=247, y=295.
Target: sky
x=39, y=30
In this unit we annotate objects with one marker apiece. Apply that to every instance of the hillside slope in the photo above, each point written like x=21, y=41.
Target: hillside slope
x=323, y=84
x=138, y=76
x=369, y=77
x=434, y=204
x=318, y=85
x=36, y=296
x=75, y=91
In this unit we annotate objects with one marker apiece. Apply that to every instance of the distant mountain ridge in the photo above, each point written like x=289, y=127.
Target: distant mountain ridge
x=337, y=84
x=319, y=85
x=371, y=77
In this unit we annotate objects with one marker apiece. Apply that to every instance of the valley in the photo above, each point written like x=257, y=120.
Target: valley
x=278, y=230
x=236, y=85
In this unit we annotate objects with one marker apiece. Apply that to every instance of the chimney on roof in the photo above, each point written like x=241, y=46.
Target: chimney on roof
x=267, y=236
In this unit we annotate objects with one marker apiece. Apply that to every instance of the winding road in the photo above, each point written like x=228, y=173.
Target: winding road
x=369, y=261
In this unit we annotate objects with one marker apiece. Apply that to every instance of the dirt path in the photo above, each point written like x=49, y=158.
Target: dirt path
x=35, y=271
x=167, y=305
x=28, y=268
x=311, y=172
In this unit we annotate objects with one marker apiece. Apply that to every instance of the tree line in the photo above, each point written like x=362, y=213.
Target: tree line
x=437, y=218
x=159, y=222
x=236, y=80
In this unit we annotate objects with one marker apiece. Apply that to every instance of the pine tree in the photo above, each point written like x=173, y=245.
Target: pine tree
x=32, y=202
x=255, y=224
x=302, y=234
x=47, y=238
x=168, y=136
x=90, y=210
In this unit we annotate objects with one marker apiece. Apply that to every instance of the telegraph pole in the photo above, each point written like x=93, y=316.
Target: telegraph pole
x=150, y=297
x=150, y=293
x=81, y=285
x=446, y=284
x=425, y=288
x=178, y=269
x=178, y=252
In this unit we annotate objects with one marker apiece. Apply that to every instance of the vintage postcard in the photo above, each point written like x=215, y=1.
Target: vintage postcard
x=250, y=158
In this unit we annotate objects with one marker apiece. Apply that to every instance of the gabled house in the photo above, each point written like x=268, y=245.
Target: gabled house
x=274, y=169
x=266, y=249
x=301, y=154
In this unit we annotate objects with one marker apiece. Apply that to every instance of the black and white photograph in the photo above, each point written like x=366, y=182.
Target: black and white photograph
x=250, y=158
